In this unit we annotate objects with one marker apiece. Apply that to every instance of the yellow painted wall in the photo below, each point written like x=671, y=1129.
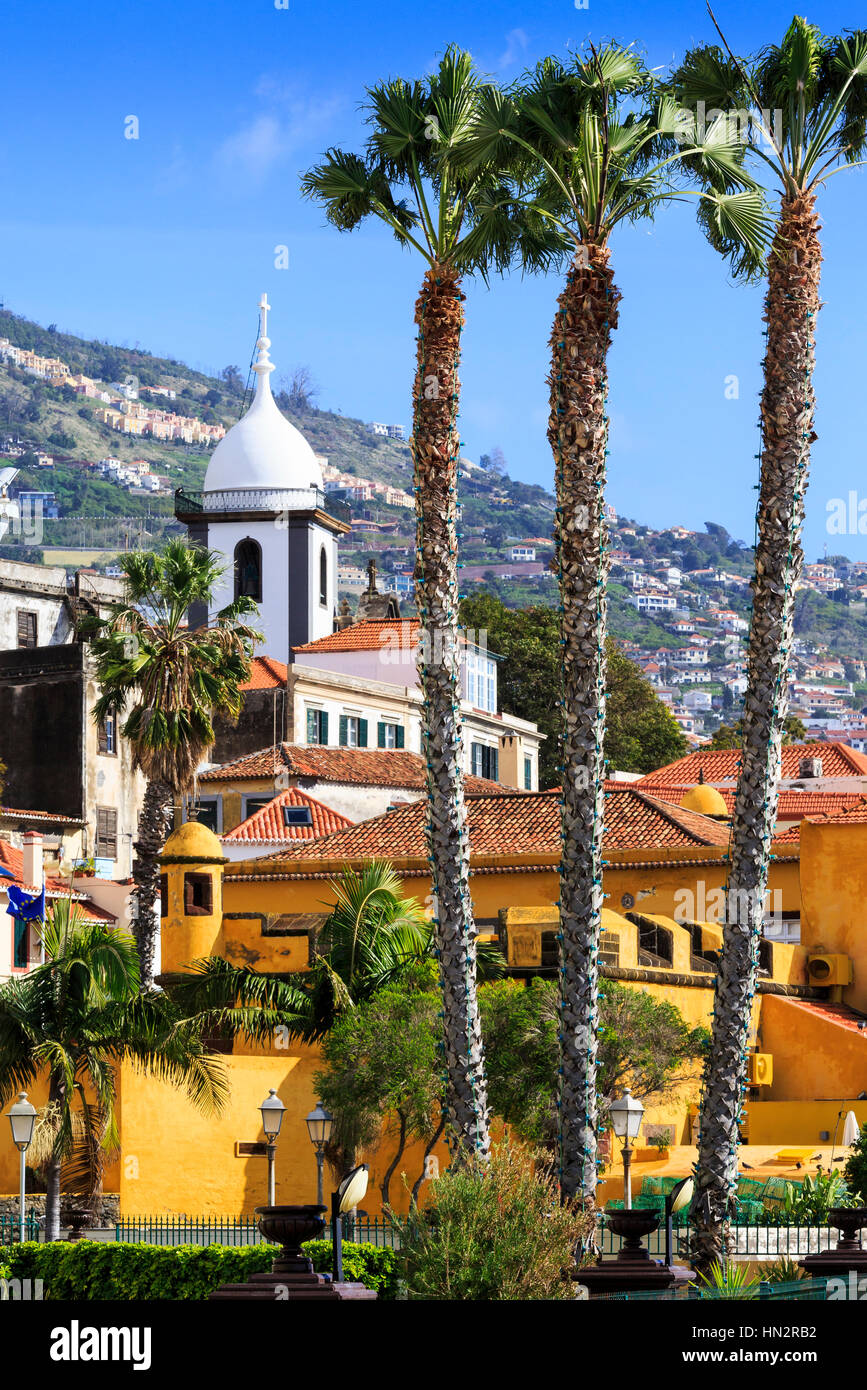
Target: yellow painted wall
x=784, y=1122
x=834, y=878
x=813, y=1056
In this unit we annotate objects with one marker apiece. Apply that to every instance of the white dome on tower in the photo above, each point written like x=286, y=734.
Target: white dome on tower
x=262, y=452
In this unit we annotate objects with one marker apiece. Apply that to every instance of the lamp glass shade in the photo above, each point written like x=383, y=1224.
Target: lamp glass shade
x=352, y=1189
x=22, y=1118
x=681, y=1195
x=272, y=1110
x=320, y=1125
x=626, y=1116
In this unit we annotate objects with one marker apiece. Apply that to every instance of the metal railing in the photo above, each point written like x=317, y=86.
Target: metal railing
x=249, y=500
x=796, y=1291
x=237, y=1230
x=759, y=1242
x=10, y=1228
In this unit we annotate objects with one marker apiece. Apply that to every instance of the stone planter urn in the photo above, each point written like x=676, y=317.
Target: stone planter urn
x=848, y=1253
x=77, y=1219
x=632, y=1268
x=292, y=1276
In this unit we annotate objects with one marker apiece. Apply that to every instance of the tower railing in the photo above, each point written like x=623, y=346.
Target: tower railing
x=248, y=499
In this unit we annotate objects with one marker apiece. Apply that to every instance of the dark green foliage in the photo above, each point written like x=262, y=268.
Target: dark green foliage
x=641, y=734
x=855, y=1171
x=115, y=1271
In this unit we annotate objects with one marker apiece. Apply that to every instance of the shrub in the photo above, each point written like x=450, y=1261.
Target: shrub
x=117, y=1271
x=494, y=1232
x=856, y=1167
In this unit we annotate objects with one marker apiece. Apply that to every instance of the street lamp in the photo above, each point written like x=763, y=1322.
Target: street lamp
x=320, y=1126
x=271, y=1110
x=626, y=1116
x=678, y=1198
x=22, y=1118
x=350, y=1191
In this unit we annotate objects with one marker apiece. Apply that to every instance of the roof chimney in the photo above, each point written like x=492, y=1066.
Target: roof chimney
x=32, y=871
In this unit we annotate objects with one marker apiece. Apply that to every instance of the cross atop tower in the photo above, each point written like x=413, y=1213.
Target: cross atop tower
x=264, y=308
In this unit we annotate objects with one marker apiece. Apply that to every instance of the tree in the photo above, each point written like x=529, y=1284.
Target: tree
x=601, y=148
x=231, y=378
x=640, y=732
x=816, y=88
x=384, y=1076
x=298, y=390
x=459, y=222
x=169, y=680
x=644, y=1042
x=732, y=735
x=76, y=1018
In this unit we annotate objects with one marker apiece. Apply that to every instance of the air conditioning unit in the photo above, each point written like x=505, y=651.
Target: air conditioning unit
x=760, y=1070
x=830, y=970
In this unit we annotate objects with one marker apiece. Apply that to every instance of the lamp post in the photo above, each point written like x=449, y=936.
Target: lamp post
x=22, y=1118
x=350, y=1191
x=271, y=1110
x=626, y=1116
x=320, y=1126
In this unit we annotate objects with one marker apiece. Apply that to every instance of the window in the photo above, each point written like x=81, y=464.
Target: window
x=198, y=895
x=207, y=813
x=248, y=570
x=353, y=731
x=389, y=735
x=164, y=896
x=485, y=761
x=20, y=943
x=297, y=815
x=317, y=726
x=106, y=833
x=528, y=774
x=323, y=577
x=480, y=681
x=107, y=735
x=26, y=628
x=252, y=804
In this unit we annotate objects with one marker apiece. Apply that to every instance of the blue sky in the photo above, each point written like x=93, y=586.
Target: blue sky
x=168, y=240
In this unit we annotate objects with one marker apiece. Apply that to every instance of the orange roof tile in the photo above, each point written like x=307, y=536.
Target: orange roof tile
x=267, y=826
x=792, y=803
x=367, y=767
x=265, y=674
x=368, y=635
x=720, y=766
x=520, y=823
x=839, y=1014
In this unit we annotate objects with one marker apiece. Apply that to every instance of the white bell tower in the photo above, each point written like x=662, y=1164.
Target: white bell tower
x=263, y=510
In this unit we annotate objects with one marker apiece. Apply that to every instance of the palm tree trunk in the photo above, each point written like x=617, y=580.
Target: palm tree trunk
x=578, y=434
x=436, y=448
x=56, y=1097
x=152, y=830
x=791, y=307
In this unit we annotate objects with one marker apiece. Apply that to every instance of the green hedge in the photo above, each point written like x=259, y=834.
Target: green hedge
x=108, y=1270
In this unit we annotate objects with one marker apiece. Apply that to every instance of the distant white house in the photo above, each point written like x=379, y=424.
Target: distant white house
x=522, y=552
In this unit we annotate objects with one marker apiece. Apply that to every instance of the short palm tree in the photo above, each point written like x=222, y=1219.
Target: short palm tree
x=408, y=177
x=600, y=148
x=169, y=680
x=73, y=1020
x=806, y=101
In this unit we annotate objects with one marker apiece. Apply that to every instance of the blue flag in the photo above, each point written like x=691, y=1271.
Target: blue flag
x=29, y=907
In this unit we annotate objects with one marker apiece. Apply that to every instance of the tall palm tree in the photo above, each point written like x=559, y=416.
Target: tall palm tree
x=601, y=148
x=169, y=680
x=807, y=104
x=75, y=1018
x=458, y=222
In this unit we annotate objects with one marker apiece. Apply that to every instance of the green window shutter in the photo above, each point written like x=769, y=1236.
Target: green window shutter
x=380, y=734
x=311, y=726
x=323, y=726
x=495, y=765
x=399, y=739
x=362, y=733
x=343, y=731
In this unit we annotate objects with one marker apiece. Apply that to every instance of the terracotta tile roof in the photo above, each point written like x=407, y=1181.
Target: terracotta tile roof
x=267, y=827
x=46, y=817
x=848, y=816
x=792, y=804
x=13, y=860
x=838, y=1014
x=366, y=767
x=520, y=823
x=368, y=635
x=265, y=674
x=720, y=766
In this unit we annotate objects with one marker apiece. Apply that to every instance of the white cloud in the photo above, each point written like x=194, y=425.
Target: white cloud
x=292, y=122
x=516, y=43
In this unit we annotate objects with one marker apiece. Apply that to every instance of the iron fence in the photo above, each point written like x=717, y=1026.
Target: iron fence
x=796, y=1291
x=758, y=1242
x=237, y=1230
x=10, y=1228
